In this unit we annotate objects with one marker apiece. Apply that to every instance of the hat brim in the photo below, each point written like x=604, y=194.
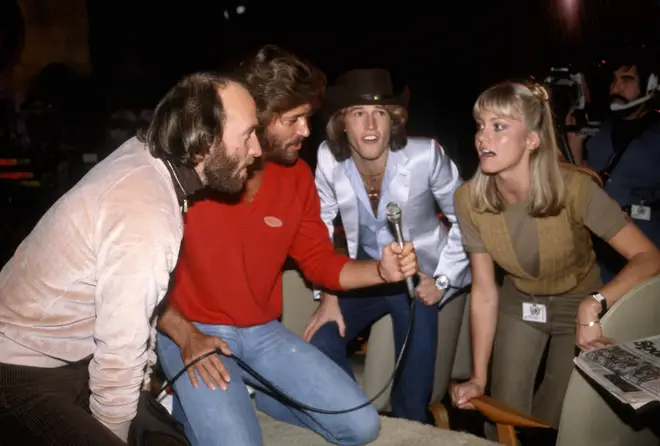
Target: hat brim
x=336, y=99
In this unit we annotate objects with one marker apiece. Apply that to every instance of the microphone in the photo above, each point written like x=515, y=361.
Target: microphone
x=393, y=212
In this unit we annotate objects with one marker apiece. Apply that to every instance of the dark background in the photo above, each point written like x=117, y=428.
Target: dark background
x=447, y=52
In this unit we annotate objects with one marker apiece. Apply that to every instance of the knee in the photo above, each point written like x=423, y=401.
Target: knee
x=362, y=427
x=327, y=338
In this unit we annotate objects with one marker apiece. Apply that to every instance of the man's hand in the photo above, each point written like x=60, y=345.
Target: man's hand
x=210, y=368
x=327, y=311
x=427, y=292
x=398, y=264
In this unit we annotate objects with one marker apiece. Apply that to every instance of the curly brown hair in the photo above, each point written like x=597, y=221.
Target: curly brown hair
x=338, y=141
x=280, y=81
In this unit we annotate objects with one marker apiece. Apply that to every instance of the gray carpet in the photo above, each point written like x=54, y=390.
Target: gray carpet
x=393, y=432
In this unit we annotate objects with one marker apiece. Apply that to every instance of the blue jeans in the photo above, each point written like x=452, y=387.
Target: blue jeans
x=228, y=418
x=412, y=388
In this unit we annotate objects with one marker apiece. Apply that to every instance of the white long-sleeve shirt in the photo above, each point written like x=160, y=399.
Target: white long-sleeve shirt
x=88, y=277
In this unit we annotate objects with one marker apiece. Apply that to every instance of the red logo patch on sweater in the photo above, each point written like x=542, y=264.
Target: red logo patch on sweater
x=273, y=222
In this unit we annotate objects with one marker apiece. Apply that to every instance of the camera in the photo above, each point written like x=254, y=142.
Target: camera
x=569, y=84
x=568, y=91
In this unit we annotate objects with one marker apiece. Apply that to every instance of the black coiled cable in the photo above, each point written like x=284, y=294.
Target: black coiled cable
x=284, y=397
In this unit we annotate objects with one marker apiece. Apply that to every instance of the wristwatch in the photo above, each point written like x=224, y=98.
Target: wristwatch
x=603, y=303
x=442, y=282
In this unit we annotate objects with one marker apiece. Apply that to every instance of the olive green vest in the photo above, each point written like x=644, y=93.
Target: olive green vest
x=565, y=249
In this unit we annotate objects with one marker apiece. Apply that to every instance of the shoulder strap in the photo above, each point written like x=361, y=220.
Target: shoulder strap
x=612, y=162
x=615, y=158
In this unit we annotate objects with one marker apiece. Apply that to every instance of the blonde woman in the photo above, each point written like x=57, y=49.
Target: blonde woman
x=530, y=215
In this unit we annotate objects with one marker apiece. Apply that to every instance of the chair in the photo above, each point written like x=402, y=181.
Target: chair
x=298, y=304
x=587, y=418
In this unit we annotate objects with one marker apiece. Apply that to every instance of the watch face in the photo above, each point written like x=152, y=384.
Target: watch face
x=442, y=282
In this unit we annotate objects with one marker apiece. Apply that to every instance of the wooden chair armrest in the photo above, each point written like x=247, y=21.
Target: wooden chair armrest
x=500, y=413
x=440, y=415
x=505, y=417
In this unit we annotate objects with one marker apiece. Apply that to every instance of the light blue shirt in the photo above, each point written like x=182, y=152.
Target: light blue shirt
x=374, y=231
x=420, y=178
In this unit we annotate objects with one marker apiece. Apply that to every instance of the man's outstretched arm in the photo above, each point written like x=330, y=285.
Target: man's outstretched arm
x=316, y=257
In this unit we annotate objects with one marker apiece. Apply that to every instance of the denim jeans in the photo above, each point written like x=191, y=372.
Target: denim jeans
x=412, y=388
x=228, y=418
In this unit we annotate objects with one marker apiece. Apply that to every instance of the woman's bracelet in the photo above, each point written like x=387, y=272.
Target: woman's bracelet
x=590, y=324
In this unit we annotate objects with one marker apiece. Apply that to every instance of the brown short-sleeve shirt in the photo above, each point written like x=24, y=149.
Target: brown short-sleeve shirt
x=603, y=217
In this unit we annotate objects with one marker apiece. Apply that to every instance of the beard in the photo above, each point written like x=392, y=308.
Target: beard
x=278, y=151
x=223, y=172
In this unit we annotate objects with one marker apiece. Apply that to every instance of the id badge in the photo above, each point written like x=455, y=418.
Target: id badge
x=640, y=212
x=532, y=312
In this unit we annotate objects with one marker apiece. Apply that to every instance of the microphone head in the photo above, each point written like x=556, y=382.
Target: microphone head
x=393, y=212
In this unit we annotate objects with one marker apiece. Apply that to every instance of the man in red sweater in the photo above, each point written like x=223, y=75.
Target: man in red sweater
x=228, y=290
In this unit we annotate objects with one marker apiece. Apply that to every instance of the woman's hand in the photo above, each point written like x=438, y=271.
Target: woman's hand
x=461, y=394
x=588, y=338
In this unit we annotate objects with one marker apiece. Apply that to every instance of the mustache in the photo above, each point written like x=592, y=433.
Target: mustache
x=295, y=142
x=613, y=97
x=252, y=165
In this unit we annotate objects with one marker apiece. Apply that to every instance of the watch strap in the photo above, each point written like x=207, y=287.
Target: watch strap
x=603, y=303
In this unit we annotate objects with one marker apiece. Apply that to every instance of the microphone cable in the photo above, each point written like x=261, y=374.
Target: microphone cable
x=284, y=397
x=394, y=217
x=281, y=394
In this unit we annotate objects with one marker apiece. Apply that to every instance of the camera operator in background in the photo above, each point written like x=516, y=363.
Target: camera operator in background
x=569, y=99
x=626, y=150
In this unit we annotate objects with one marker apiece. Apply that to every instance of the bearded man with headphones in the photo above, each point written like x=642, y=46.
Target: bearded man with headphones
x=626, y=151
x=78, y=298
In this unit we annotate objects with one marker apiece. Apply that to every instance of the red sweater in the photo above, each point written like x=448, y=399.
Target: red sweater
x=230, y=267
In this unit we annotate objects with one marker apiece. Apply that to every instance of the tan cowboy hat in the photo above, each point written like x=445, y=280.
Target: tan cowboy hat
x=363, y=87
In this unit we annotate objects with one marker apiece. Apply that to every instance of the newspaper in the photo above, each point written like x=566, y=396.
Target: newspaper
x=630, y=371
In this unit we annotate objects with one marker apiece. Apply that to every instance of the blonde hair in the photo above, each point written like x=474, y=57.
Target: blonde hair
x=530, y=103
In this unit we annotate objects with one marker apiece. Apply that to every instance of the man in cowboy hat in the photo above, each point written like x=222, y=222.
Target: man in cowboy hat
x=367, y=162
